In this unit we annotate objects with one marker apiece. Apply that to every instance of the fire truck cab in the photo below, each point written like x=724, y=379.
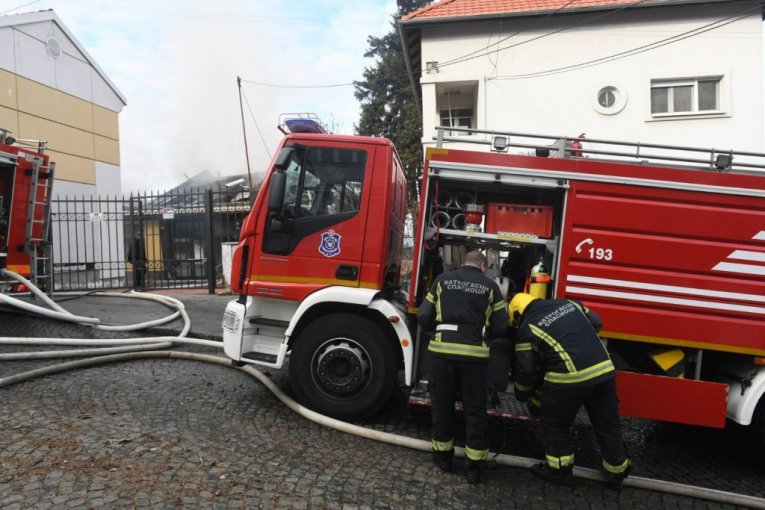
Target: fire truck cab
x=316, y=267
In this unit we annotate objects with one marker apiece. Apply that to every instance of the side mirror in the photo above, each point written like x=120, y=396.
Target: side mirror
x=279, y=179
x=276, y=191
x=283, y=158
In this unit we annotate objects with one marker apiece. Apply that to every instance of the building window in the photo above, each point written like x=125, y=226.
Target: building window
x=456, y=106
x=607, y=98
x=460, y=118
x=685, y=97
x=610, y=100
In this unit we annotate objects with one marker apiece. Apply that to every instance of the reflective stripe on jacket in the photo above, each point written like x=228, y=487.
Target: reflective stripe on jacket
x=459, y=305
x=557, y=342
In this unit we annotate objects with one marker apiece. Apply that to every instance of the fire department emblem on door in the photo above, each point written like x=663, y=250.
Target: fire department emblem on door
x=330, y=243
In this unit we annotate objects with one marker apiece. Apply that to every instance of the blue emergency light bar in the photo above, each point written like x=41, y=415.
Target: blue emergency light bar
x=303, y=126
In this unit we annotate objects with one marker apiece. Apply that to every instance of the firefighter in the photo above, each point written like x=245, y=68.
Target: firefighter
x=558, y=351
x=459, y=305
x=137, y=257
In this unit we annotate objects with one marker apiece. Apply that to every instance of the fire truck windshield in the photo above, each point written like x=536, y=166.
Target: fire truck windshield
x=324, y=181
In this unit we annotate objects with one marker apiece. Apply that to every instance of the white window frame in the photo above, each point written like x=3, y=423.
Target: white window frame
x=452, y=118
x=723, y=96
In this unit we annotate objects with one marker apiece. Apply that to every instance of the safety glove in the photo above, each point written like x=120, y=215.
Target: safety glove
x=534, y=403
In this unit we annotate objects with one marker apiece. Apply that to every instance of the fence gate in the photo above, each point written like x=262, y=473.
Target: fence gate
x=151, y=241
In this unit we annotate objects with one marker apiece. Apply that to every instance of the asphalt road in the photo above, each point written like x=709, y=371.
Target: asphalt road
x=170, y=433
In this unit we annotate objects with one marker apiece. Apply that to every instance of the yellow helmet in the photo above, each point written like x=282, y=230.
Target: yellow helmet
x=517, y=305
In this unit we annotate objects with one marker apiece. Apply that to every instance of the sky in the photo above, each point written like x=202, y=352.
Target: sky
x=177, y=62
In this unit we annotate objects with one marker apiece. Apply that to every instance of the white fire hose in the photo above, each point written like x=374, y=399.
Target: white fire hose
x=98, y=347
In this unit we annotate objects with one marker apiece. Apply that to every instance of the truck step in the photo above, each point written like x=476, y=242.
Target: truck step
x=271, y=323
x=259, y=356
x=506, y=406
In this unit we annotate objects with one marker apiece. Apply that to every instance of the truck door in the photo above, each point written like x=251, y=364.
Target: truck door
x=316, y=239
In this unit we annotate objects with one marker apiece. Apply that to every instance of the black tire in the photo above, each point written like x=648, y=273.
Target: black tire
x=343, y=366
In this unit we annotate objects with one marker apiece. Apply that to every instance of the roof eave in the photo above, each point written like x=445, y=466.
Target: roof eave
x=50, y=15
x=524, y=14
x=408, y=61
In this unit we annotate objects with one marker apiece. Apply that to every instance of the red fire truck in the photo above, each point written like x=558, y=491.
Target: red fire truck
x=26, y=180
x=667, y=244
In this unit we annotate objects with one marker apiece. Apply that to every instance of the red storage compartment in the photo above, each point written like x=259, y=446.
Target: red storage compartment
x=519, y=219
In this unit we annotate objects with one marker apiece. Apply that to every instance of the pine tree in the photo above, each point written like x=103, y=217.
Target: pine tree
x=388, y=107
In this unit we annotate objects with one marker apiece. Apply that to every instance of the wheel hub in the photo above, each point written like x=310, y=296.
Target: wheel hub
x=341, y=369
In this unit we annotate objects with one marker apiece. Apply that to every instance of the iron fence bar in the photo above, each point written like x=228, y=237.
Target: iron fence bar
x=62, y=215
x=91, y=217
x=211, y=276
x=131, y=277
x=200, y=234
x=52, y=250
x=69, y=236
x=76, y=239
x=114, y=242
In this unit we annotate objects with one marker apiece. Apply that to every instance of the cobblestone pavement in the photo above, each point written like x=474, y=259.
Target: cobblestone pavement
x=167, y=433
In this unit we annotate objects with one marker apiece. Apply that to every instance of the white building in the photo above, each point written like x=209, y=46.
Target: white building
x=51, y=89
x=680, y=72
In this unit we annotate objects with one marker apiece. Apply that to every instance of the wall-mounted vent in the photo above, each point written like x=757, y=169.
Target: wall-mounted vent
x=53, y=47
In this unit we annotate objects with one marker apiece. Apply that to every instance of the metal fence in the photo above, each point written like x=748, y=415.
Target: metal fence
x=184, y=234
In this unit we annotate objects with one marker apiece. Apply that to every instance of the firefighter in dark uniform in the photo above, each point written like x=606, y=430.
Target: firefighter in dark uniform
x=558, y=351
x=137, y=256
x=459, y=305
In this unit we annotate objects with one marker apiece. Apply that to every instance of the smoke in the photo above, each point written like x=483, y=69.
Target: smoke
x=176, y=62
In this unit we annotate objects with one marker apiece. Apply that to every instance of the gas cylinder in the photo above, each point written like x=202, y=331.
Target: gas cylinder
x=538, y=280
x=577, y=144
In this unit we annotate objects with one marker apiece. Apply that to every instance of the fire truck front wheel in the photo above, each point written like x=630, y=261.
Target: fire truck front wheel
x=343, y=366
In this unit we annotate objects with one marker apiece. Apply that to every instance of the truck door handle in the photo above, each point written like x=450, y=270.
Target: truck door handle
x=347, y=273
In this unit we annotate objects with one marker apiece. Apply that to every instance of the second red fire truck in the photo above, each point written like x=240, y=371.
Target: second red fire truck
x=26, y=182
x=666, y=244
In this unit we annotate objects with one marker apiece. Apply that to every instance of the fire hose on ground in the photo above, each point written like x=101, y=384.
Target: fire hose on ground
x=111, y=355
x=98, y=347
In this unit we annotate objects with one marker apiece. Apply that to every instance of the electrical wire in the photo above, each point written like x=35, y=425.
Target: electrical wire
x=465, y=58
x=500, y=41
x=495, y=61
x=278, y=86
x=527, y=28
x=19, y=7
x=223, y=16
x=640, y=49
x=257, y=126
x=275, y=85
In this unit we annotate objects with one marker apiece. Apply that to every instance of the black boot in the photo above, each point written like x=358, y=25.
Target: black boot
x=563, y=476
x=443, y=460
x=473, y=470
x=616, y=480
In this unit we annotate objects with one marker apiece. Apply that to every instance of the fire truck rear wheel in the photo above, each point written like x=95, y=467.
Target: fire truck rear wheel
x=343, y=366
